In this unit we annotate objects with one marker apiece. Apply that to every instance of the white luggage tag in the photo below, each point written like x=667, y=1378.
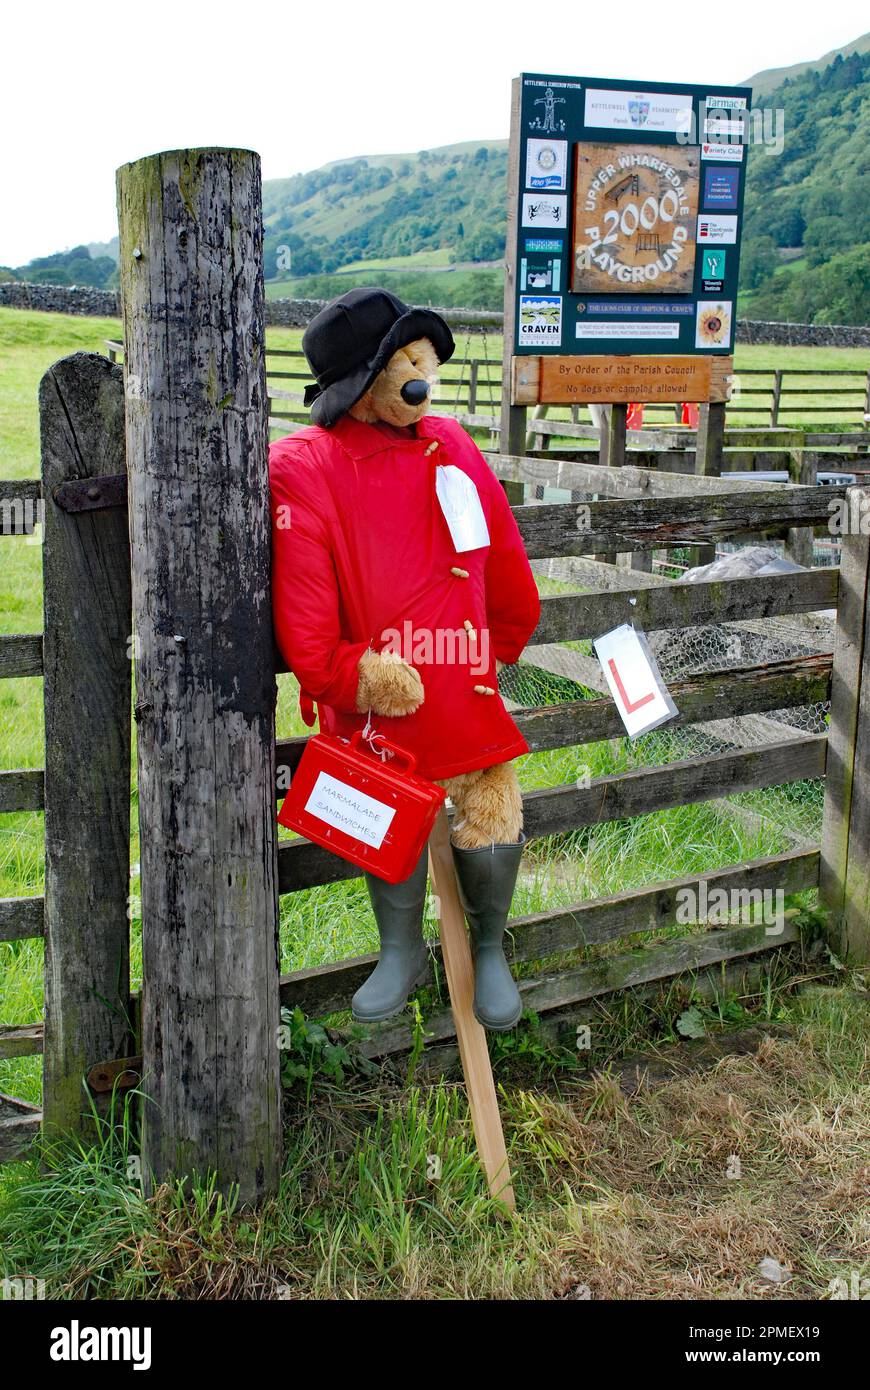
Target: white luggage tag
x=460, y=503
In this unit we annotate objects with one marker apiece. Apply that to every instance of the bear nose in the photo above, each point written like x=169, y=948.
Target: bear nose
x=415, y=392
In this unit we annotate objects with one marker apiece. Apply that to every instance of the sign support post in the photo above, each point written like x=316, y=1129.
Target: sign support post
x=512, y=438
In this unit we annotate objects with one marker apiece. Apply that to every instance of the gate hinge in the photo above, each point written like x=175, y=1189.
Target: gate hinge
x=90, y=494
x=122, y=1073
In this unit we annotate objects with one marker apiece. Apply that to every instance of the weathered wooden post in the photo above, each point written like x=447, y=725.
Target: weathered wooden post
x=844, y=879
x=197, y=438
x=709, y=442
x=86, y=660
x=803, y=469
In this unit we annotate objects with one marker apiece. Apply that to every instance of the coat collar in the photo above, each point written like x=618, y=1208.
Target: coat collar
x=362, y=441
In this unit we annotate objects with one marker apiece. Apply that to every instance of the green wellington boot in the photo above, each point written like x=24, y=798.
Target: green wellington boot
x=486, y=884
x=404, y=962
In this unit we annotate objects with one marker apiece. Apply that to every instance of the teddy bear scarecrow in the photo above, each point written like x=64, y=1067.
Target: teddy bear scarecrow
x=400, y=584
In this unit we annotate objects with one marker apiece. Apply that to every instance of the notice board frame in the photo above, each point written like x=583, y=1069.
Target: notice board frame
x=536, y=382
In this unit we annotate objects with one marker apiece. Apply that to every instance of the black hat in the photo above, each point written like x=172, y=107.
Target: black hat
x=353, y=338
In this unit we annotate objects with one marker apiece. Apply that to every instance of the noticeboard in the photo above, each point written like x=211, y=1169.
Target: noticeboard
x=627, y=202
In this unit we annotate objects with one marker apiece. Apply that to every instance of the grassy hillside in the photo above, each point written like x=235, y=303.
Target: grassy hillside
x=814, y=195
x=767, y=81
x=443, y=208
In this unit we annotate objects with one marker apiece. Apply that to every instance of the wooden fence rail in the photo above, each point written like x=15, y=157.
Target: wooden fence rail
x=467, y=382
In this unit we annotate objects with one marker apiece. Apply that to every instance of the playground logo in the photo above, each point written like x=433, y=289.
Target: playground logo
x=440, y=646
x=77, y=1343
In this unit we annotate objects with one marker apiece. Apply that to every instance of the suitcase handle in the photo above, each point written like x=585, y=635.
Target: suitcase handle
x=384, y=742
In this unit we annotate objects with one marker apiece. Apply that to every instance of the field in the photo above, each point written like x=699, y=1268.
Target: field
x=425, y=283
x=626, y=1196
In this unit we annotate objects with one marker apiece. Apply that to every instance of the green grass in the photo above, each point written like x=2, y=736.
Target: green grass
x=459, y=288
x=381, y=1195
x=420, y=260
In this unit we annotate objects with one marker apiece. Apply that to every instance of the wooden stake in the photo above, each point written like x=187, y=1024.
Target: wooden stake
x=456, y=954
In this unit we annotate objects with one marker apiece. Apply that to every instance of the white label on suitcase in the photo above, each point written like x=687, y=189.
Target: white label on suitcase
x=350, y=810
x=460, y=503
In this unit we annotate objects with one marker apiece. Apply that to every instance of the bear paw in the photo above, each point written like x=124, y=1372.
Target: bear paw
x=388, y=685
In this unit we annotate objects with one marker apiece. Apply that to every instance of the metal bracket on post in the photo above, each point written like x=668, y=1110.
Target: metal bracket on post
x=91, y=494
x=120, y=1074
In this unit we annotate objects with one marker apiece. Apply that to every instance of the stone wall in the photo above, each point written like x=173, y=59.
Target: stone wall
x=60, y=299
x=296, y=313
x=802, y=334
x=291, y=313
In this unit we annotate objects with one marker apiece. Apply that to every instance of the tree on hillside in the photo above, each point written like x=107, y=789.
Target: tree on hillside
x=758, y=262
x=813, y=194
x=73, y=267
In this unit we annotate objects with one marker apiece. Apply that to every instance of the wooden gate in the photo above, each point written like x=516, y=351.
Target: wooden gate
x=90, y=1032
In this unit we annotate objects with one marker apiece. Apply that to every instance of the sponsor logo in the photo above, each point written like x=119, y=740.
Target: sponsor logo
x=713, y=325
x=642, y=306
x=542, y=243
x=720, y=128
x=732, y=153
x=543, y=210
x=721, y=187
x=712, y=271
x=549, y=119
x=627, y=110
x=540, y=273
x=546, y=164
x=540, y=320
x=713, y=264
x=717, y=231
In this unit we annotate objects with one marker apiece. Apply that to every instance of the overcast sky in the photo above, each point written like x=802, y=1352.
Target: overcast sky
x=86, y=88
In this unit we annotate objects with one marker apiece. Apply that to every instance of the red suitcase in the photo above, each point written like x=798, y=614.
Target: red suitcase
x=360, y=807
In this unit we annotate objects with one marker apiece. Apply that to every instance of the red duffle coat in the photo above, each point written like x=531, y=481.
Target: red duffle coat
x=362, y=552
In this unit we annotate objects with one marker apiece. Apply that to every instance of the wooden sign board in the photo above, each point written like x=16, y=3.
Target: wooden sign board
x=635, y=215
x=625, y=211
x=610, y=380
